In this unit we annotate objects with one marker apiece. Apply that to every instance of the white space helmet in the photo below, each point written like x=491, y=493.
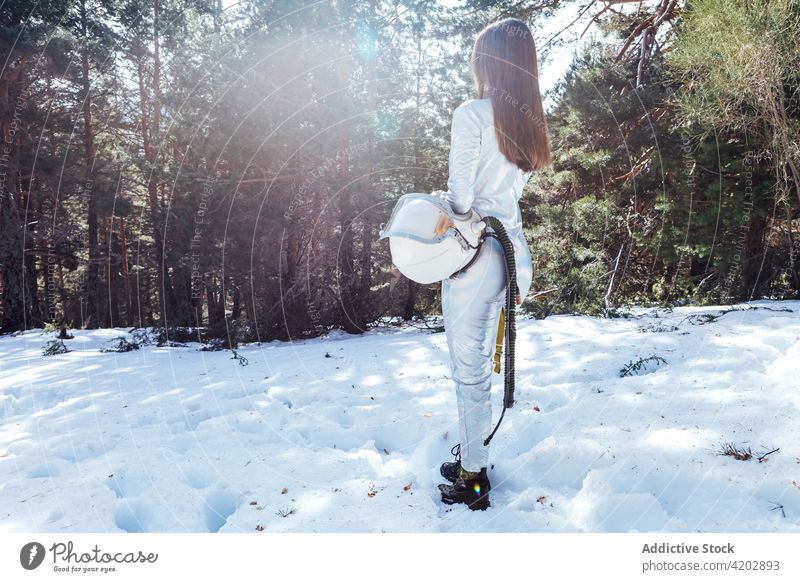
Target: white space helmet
x=427, y=240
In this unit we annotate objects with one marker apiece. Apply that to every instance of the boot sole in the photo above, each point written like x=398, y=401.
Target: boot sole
x=479, y=505
x=482, y=503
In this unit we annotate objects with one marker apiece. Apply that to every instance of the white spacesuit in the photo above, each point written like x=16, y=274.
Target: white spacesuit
x=480, y=177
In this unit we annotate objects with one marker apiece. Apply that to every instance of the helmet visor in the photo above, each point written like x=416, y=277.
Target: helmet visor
x=420, y=217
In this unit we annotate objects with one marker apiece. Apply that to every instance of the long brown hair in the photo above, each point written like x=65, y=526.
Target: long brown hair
x=505, y=69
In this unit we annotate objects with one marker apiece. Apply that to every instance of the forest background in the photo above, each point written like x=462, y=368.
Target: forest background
x=223, y=169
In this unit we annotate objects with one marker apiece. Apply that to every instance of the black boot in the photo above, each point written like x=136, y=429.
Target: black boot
x=449, y=470
x=471, y=489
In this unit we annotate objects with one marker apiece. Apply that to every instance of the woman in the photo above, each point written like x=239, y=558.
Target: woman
x=497, y=141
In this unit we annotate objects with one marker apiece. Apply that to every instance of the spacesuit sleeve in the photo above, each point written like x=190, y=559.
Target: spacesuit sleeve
x=465, y=147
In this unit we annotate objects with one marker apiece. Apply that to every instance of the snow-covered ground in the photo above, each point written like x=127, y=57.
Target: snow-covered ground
x=346, y=433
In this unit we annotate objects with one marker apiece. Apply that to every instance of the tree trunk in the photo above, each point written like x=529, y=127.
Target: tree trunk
x=34, y=317
x=47, y=267
x=11, y=225
x=126, y=282
x=346, y=267
x=752, y=253
x=152, y=185
x=410, y=301
x=116, y=292
x=62, y=292
x=92, y=274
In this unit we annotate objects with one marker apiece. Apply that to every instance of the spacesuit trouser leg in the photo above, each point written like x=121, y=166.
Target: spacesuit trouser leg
x=471, y=303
